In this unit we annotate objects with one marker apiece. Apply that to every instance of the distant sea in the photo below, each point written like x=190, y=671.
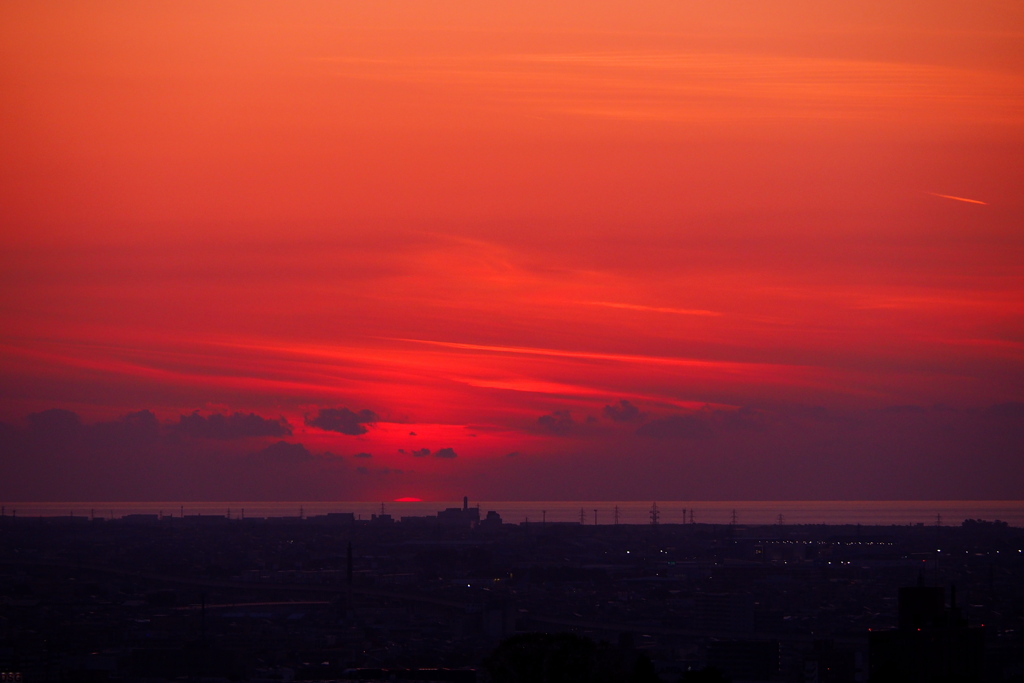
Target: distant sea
x=871, y=513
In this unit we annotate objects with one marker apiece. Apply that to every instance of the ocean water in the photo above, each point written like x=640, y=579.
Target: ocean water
x=928, y=512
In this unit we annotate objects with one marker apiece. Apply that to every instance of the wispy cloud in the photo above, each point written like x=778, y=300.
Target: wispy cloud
x=652, y=309
x=533, y=386
x=708, y=86
x=728, y=366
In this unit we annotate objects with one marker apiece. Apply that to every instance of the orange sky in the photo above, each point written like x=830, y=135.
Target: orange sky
x=490, y=224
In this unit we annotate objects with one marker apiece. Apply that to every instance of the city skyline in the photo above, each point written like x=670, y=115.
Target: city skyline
x=315, y=251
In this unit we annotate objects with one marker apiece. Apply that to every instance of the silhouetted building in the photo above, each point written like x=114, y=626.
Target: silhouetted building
x=831, y=662
x=464, y=516
x=493, y=519
x=931, y=644
x=745, y=660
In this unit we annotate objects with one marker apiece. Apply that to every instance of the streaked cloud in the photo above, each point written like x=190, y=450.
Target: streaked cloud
x=731, y=366
x=652, y=309
x=707, y=86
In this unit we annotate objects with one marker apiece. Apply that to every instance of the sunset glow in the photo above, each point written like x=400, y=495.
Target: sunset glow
x=519, y=250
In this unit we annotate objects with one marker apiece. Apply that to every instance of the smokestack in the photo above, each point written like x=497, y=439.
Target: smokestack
x=465, y=503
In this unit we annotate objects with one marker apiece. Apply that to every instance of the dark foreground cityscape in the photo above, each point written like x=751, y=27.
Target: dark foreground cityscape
x=463, y=597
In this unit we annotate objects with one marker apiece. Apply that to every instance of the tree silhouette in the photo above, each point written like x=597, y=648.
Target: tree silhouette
x=566, y=658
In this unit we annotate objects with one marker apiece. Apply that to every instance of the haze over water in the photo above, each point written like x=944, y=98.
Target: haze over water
x=629, y=512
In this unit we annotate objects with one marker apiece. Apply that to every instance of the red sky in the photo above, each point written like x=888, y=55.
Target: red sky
x=489, y=224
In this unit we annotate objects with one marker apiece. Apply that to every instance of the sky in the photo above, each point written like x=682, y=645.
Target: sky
x=681, y=250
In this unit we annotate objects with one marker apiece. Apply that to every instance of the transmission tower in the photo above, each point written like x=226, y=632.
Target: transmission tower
x=654, y=514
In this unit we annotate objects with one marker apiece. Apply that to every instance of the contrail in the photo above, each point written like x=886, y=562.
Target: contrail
x=959, y=199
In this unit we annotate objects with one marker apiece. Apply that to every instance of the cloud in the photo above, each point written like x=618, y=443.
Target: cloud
x=558, y=422
x=234, y=426
x=382, y=471
x=420, y=452
x=64, y=428
x=819, y=414
x=513, y=454
x=54, y=455
x=729, y=366
x=923, y=454
x=744, y=419
x=363, y=455
x=445, y=453
x=1011, y=410
x=676, y=427
x=284, y=452
x=342, y=420
x=54, y=423
x=902, y=410
x=133, y=430
x=624, y=412
x=653, y=309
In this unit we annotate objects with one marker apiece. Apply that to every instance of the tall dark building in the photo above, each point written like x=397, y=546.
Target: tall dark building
x=932, y=644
